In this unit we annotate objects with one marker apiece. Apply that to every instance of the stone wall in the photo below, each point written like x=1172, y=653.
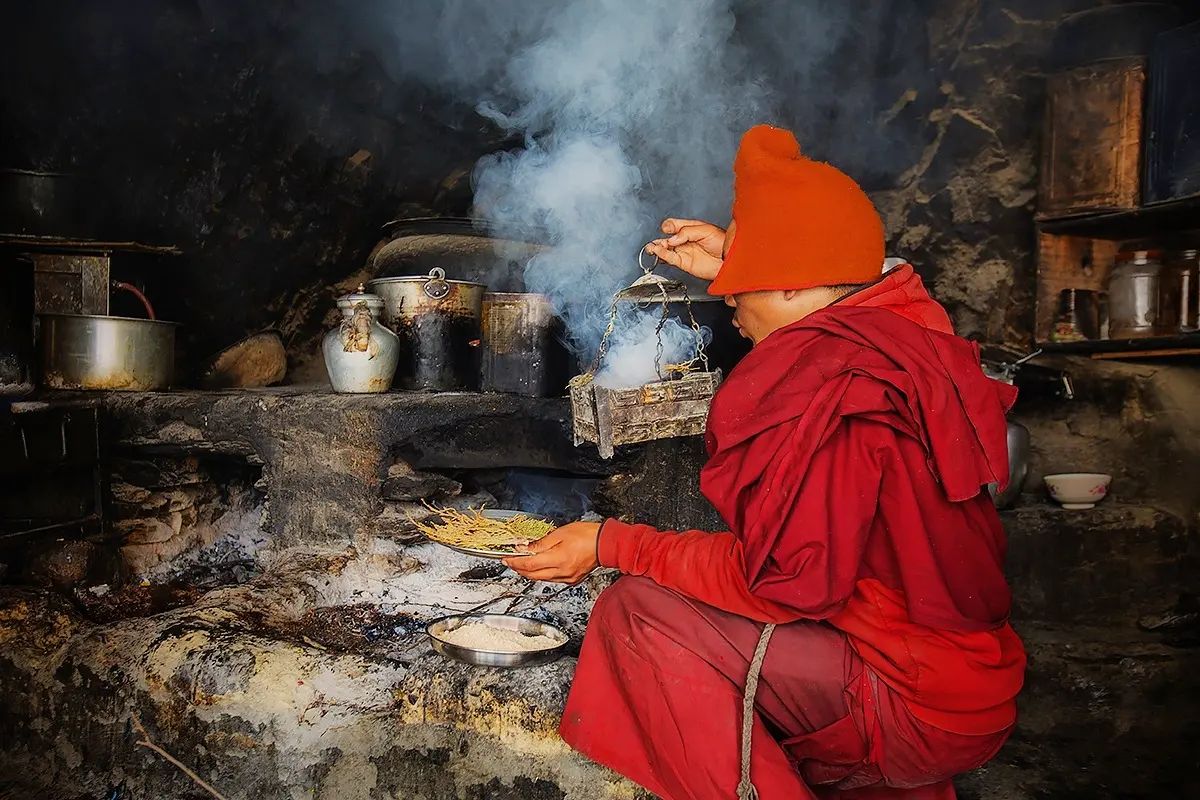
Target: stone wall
x=272, y=157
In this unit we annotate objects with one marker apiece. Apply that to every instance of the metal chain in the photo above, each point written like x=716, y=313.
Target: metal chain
x=700, y=354
x=608, y=332
x=662, y=323
x=700, y=350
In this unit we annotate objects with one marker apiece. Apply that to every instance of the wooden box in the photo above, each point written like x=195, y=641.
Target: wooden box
x=1092, y=144
x=70, y=283
x=660, y=410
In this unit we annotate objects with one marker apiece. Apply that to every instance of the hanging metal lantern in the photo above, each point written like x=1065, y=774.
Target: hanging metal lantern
x=674, y=405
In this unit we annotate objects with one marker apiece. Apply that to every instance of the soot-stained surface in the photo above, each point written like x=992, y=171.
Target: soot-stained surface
x=272, y=140
x=310, y=678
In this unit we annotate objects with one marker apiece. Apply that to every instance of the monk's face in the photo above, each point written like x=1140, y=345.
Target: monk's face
x=757, y=315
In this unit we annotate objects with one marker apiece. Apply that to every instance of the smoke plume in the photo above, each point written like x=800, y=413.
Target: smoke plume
x=630, y=110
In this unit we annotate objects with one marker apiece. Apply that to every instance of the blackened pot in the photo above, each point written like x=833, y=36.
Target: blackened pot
x=523, y=351
x=438, y=322
x=39, y=203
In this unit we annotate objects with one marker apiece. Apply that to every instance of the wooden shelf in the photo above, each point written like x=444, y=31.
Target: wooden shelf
x=1149, y=221
x=64, y=244
x=1183, y=344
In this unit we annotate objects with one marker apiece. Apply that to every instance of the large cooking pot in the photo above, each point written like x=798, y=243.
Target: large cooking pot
x=81, y=351
x=438, y=322
x=727, y=346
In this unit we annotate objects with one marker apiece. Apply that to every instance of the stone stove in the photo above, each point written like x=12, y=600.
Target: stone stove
x=277, y=649
x=266, y=620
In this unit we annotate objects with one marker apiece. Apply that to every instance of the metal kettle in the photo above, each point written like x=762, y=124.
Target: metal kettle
x=1018, y=466
x=1017, y=438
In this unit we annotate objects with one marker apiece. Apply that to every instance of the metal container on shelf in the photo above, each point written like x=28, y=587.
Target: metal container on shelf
x=360, y=353
x=1135, y=297
x=438, y=322
x=522, y=346
x=82, y=351
x=1082, y=315
x=1183, y=275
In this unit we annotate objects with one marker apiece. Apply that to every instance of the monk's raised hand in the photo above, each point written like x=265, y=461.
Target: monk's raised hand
x=693, y=246
x=565, y=555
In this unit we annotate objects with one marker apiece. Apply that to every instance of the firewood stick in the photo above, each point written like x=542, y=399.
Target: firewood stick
x=146, y=742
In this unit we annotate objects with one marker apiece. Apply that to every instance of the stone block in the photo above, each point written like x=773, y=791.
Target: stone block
x=1114, y=562
x=408, y=485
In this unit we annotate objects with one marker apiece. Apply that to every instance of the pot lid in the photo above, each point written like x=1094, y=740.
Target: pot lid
x=652, y=288
x=464, y=226
x=419, y=279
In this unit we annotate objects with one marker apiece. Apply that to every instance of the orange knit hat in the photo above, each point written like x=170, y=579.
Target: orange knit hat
x=800, y=223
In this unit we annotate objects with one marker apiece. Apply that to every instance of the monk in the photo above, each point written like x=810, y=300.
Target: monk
x=857, y=604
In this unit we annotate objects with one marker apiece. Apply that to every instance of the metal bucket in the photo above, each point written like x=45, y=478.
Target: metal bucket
x=522, y=346
x=438, y=322
x=81, y=351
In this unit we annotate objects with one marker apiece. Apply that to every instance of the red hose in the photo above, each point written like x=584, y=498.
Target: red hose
x=129, y=287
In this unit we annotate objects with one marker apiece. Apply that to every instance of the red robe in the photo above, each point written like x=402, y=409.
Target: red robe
x=848, y=453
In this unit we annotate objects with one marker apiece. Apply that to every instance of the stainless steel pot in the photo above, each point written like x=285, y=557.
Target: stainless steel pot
x=438, y=322
x=81, y=351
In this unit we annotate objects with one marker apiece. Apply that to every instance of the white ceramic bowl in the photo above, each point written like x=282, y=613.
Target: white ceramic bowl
x=1078, y=490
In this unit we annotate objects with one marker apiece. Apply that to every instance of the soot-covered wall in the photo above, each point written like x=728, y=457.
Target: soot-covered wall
x=271, y=140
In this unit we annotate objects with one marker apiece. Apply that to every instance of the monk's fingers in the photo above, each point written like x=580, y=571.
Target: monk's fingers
x=543, y=544
x=673, y=224
x=544, y=560
x=691, y=233
x=523, y=570
x=665, y=254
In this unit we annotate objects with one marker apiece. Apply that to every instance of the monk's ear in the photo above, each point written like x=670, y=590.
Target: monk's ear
x=790, y=294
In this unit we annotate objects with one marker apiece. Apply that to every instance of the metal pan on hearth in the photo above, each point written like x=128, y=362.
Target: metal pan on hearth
x=491, y=658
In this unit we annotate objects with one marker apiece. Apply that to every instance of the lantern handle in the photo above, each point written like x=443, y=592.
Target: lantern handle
x=647, y=270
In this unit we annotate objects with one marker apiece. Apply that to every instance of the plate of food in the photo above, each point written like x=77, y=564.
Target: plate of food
x=489, y=533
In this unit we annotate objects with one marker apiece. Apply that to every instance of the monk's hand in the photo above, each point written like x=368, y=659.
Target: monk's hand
x=692, y=245
x=565, y=555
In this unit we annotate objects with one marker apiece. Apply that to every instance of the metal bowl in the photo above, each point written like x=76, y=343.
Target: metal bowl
x=491, y=658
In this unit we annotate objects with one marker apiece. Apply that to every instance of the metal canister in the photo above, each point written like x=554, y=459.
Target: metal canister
x=1135, y=302
x=522, y=345
x=1183, y=274
x=438, y=322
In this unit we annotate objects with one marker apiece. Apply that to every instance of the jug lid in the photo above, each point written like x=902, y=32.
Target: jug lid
x=360, y=295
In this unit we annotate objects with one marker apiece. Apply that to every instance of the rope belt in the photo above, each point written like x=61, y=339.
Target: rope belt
x=745, y=789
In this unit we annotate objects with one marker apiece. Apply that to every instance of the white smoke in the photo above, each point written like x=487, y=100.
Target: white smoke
x=630, y=110
x=640, y=351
